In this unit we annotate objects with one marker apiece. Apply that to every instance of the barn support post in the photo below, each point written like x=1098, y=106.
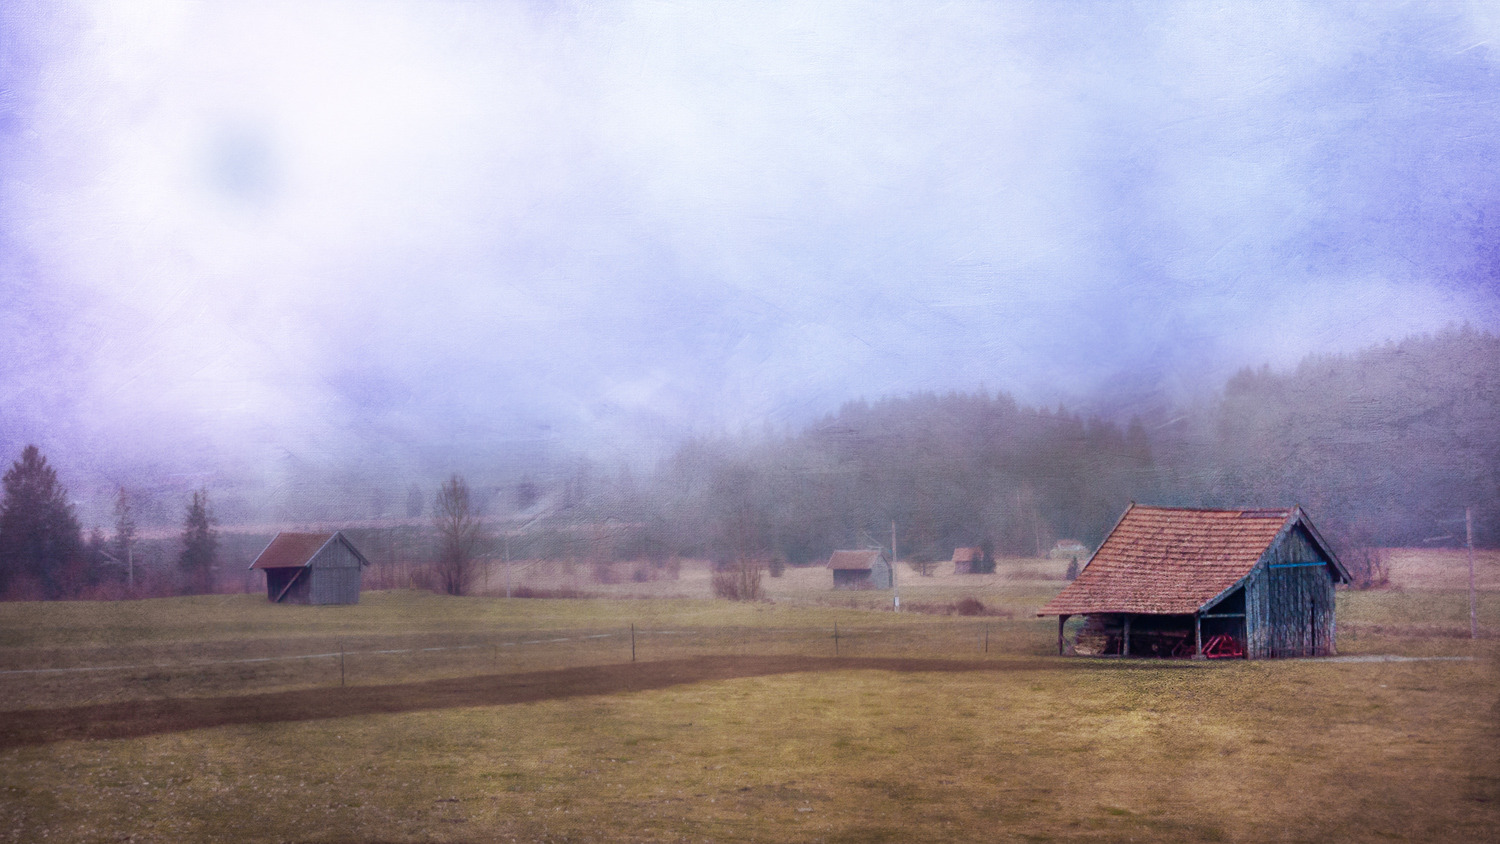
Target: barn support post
x=1061, y=648
x=1198, y=635
x=1125, y=645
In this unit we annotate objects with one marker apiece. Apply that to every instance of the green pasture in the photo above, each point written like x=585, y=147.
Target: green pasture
x=1060, y=749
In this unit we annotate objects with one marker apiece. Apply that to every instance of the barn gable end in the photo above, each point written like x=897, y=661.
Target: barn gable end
x=311, y=568
x=861, y=570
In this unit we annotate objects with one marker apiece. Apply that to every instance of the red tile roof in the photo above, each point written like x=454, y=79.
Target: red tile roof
x=854, y=560
x=290, y=550
x=1162, y=560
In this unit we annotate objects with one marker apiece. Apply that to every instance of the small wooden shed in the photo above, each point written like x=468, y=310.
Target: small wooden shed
x=311, y=568
x=861, y=570
x=967, y=560
x=1171, y=581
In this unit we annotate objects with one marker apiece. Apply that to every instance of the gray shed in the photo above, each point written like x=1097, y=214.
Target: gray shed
x=311, y=568
x=861, y=570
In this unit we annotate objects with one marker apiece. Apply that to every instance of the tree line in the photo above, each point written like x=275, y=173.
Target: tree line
x=1384, y=447
x=44, y=553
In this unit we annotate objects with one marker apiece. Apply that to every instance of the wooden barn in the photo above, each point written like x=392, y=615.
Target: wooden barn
x=311, y=568
x=1185, y=582
x=861, y=570
x=967, y=560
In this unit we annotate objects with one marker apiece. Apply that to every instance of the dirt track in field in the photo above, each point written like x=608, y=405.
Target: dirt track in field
x=131, y=719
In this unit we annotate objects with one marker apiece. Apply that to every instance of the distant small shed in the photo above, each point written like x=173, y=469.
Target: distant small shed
x=1171, y=581
x=967, y=560
x=861, y=570
x=311, y=568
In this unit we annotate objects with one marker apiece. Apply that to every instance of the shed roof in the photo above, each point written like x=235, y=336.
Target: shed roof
x=294, y=550
x=854, y=560
x=967, y=555
x=1168, y=560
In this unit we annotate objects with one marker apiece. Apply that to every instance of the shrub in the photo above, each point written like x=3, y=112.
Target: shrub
x=969, y=606
x=739, y=581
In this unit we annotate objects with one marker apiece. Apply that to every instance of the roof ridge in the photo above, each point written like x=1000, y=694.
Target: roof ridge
x=1185, y=509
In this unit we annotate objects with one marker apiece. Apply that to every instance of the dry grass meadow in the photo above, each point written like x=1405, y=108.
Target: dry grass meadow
x=1038, y=749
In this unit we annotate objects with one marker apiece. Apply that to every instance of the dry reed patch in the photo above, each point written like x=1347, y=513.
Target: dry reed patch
x=1441, y=568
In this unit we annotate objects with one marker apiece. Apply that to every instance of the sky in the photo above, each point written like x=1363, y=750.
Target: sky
x=383, y=237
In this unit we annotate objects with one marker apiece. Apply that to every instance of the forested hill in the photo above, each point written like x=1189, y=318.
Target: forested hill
x=1386, y=446
x=1390, y=444
x=950, y=470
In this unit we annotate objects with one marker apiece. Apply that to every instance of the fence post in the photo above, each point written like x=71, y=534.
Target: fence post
x=835, y=638
x=986, y=637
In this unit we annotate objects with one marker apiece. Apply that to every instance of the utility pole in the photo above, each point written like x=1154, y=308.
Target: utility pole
x=1469, y=537
x=507, y=563
x=894, y=589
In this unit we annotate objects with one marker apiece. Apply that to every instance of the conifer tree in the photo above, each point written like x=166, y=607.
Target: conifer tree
x=39, y=534
x=200, y=546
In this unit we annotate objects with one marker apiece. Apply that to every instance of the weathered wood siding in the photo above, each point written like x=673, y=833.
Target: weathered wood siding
x=880, y=575
x=335, y=575
x=1256, y=617
x=1289, y=601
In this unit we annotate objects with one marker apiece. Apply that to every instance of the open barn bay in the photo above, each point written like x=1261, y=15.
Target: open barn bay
x=485, y=719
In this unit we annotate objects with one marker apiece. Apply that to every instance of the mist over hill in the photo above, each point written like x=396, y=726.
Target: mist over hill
x=1387, y=446
x=311, y=255
x=1384, y=446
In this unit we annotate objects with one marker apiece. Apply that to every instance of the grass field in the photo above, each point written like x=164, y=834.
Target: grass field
x=1039, y=748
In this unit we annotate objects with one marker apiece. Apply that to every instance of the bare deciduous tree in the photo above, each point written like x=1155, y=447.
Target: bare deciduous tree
x=123, y=546
x=460, y=535
x=740, y=580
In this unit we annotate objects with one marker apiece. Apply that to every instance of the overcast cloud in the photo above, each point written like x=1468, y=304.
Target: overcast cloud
x=242, y=234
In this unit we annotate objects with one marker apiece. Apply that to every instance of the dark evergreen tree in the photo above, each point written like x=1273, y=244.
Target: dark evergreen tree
x=200, y=546
x=526, y=493
x=986, y=562
x=39, y=534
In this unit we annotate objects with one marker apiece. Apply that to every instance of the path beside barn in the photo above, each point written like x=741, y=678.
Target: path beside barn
x=130, y=719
